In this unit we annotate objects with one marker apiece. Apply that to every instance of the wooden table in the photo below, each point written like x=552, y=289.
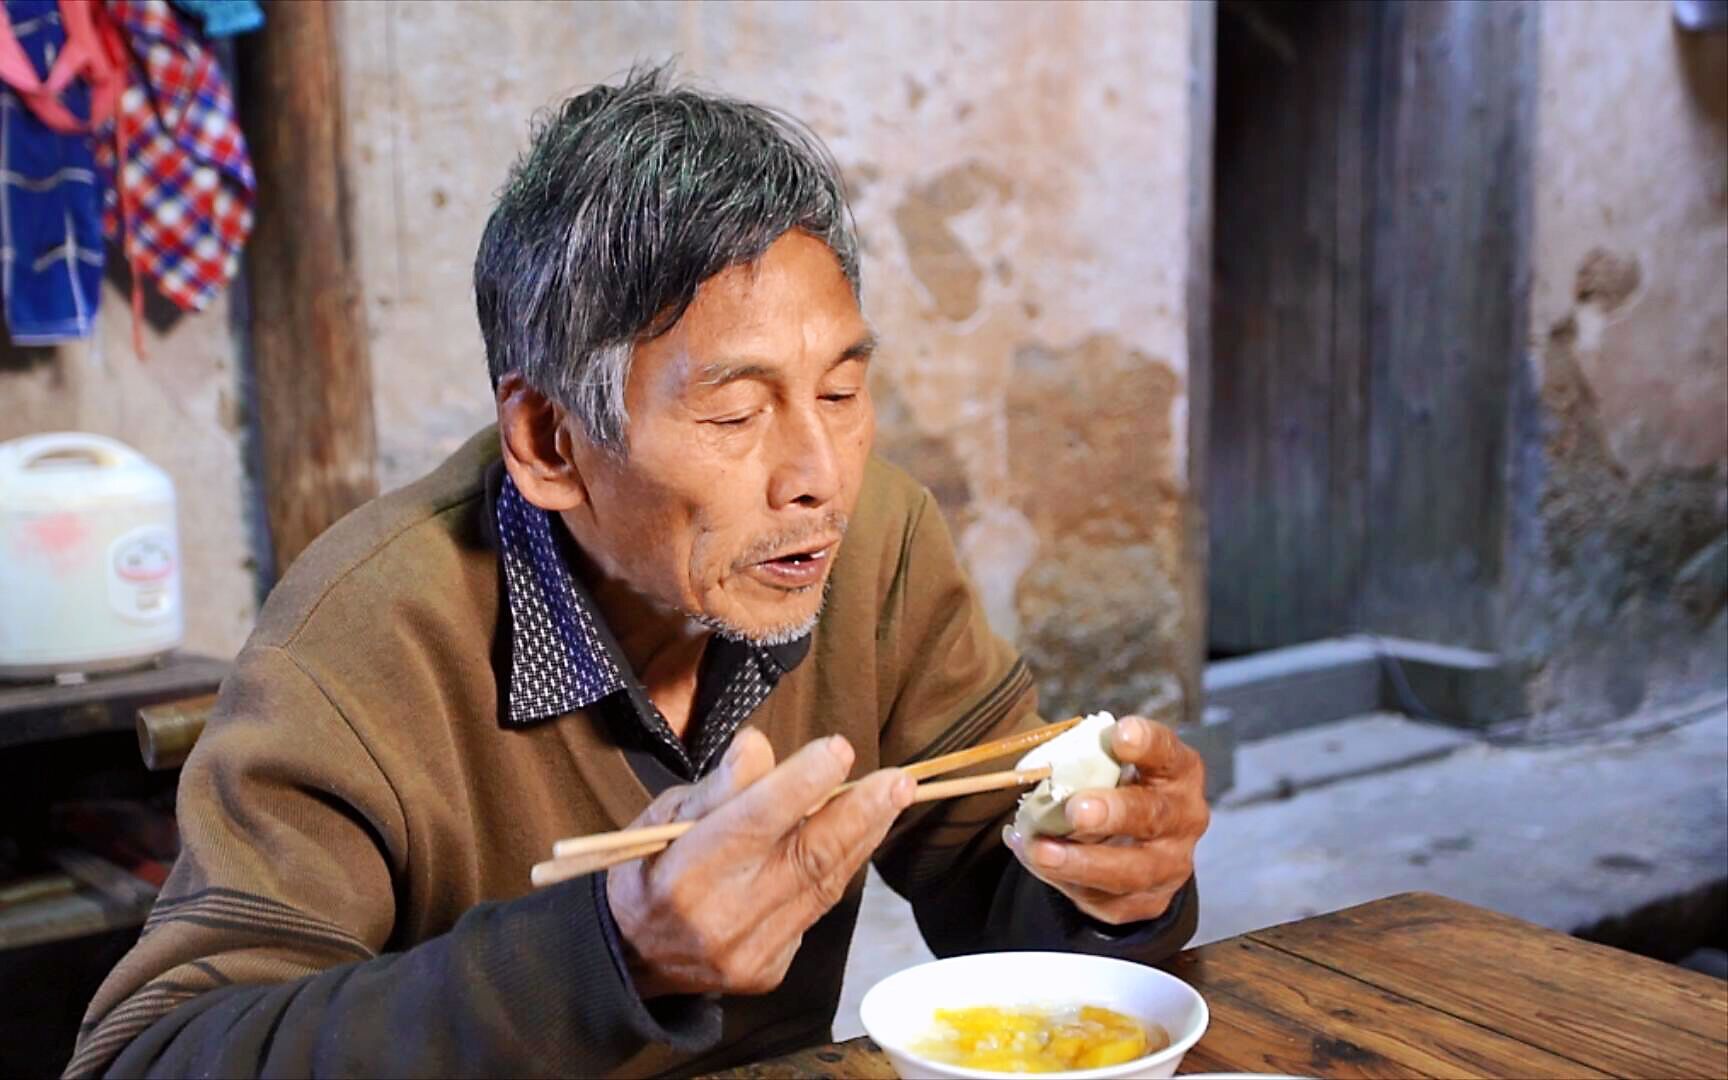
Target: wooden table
x=1417, y=985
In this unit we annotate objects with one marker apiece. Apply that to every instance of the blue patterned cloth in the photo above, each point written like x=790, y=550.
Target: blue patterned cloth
x=50, y=201
x=564, y=658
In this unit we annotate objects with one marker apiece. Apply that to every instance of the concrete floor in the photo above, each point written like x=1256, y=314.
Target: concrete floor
x=1561, y=835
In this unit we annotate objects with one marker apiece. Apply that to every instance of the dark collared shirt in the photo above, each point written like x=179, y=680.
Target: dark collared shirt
x=563, y=657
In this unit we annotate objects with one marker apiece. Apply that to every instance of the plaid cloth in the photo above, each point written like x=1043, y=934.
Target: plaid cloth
x=50, y=208
x=186, y=191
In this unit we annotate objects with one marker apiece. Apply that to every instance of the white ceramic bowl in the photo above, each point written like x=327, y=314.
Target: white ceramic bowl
x=900, y=1010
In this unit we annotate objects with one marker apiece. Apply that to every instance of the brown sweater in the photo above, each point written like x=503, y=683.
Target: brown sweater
x=358, y=826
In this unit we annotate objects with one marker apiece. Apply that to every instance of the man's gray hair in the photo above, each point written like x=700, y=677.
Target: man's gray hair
x=628, y=198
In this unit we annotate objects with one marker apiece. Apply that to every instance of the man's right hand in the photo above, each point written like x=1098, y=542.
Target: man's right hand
x=725, y=907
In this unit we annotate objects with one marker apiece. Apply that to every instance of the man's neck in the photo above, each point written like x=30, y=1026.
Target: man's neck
x=663, y=647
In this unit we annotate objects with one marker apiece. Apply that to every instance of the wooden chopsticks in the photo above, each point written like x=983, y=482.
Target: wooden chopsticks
x=587, y=854
x=990, y=751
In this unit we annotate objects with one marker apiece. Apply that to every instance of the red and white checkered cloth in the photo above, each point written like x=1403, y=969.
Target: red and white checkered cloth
x=185, y=189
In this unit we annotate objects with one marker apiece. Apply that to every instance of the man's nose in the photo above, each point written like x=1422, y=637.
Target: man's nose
x=807, y=472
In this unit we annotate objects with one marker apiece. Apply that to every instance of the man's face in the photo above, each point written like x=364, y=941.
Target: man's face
x=750, y=425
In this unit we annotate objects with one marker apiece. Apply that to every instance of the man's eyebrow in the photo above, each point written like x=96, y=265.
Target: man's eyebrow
x=862, y=349
x=721, y=372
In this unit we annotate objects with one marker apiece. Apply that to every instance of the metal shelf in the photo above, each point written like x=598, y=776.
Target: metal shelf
x=106, y=898
x=62, y=918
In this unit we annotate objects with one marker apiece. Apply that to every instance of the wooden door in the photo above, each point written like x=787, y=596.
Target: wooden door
x=1370, y=199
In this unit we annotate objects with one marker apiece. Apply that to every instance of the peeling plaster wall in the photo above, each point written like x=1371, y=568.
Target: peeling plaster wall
x=1020, y=178
x=182, y=409
x=1620, y=474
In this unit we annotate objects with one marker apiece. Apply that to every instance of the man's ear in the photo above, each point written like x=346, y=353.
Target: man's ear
x=537, y=447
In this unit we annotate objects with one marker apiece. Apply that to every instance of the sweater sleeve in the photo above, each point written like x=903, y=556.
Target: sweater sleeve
x=266, y=951
x=959, y=684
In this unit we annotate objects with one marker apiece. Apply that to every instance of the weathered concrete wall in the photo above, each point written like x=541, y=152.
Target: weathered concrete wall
x=182, y=409
x=1620, y=470
x=1020, y=178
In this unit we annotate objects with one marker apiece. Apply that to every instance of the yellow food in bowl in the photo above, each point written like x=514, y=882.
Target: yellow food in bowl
x=1034, y=1040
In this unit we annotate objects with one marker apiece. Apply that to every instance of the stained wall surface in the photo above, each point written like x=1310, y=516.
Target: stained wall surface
x=1620, y=461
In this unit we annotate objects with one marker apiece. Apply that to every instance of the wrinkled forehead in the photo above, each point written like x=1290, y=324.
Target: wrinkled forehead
x=790, y=311
x=797, y=280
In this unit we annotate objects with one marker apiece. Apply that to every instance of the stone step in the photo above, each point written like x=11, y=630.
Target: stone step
x=1320, y=682
x=1285, y=765
x=1564, y=836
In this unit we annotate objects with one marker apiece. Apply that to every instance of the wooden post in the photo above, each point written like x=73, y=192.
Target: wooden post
x=308, y=328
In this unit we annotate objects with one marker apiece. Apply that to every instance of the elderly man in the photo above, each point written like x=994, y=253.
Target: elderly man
x=673, y=565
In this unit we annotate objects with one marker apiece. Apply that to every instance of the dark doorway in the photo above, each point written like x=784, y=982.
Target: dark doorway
x=1370, y=192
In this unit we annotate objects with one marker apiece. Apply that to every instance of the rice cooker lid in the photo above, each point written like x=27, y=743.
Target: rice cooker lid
x=68, y=470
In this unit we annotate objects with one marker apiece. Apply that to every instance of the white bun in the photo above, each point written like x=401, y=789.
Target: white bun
x=1079, y=759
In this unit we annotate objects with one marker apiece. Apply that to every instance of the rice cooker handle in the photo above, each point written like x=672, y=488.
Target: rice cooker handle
x=106, y=452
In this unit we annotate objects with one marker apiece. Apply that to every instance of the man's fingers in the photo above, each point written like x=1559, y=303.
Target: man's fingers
x=1113, y=869
x=827, y=850
x=777, y=802
x=1153, y=749
x=1135, y=810
x=747, y=760
x=1117, y=883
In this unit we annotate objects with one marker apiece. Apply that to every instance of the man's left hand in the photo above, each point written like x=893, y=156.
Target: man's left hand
x=1132, y=848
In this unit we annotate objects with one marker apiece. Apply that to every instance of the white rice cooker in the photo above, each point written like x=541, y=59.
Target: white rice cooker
x=89, y=557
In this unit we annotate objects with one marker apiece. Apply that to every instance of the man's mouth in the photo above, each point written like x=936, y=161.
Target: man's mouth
x=796, y=570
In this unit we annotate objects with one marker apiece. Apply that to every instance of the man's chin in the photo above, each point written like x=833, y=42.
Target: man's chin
x=766, y=631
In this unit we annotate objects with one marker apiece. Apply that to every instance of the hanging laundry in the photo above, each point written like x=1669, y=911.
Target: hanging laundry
x=181, y=205
x=80, y=45
x=224, y=18
x=51, y=248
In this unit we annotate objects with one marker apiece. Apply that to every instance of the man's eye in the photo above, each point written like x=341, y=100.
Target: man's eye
x=846, y=396
x=733, y=421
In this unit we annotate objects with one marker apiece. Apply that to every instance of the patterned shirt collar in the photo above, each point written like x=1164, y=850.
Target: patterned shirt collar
x=563, y=656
